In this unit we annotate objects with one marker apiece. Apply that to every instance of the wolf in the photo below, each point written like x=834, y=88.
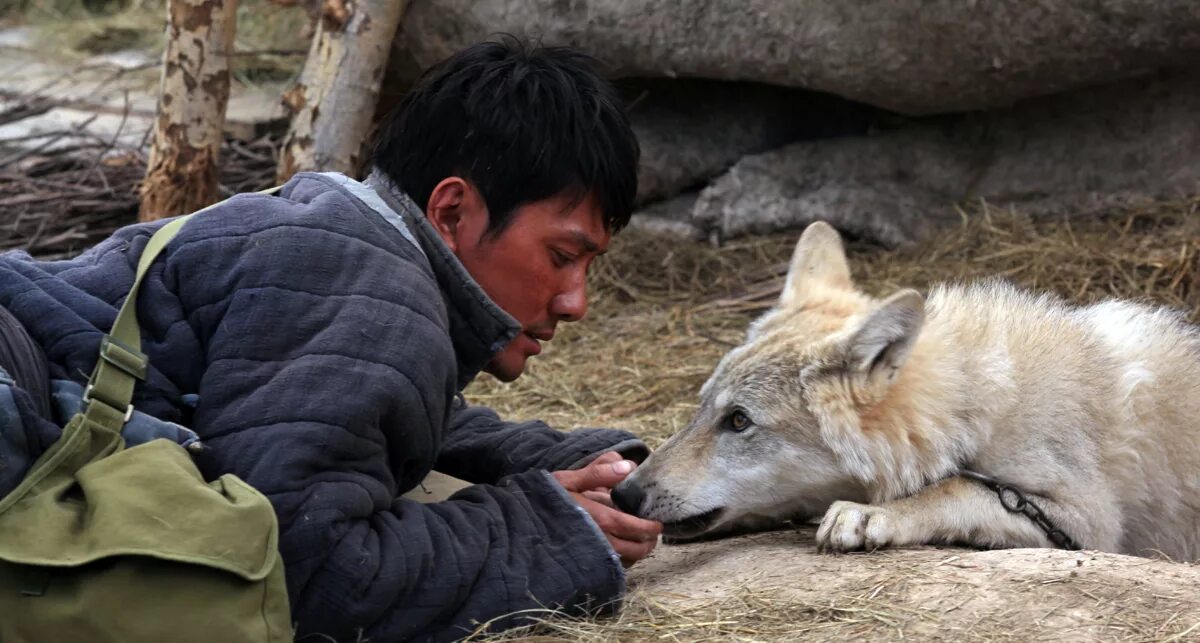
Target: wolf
x=882, y=416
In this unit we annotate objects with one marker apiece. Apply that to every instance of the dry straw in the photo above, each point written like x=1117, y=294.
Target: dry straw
x=664, y=311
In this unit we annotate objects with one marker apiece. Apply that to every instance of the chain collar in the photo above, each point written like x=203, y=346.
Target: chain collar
x=1012, y=499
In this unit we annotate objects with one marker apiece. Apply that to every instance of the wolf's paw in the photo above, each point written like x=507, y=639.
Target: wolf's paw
x=849, y=526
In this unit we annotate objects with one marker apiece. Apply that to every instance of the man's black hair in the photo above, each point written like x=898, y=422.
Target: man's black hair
x=522, y=123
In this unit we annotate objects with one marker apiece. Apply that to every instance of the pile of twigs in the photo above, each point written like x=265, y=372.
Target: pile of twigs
x=57, y=201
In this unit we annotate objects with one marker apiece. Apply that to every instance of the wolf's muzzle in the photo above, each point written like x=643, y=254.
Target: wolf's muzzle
x=628, y=497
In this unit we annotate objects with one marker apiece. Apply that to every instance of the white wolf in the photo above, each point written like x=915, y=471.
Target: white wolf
x=872, y=412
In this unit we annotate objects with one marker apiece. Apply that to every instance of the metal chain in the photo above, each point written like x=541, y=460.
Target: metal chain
x=1016, y=502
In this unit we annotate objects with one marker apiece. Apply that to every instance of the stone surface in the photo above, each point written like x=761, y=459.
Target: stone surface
x=1073, y=153
x=113, y=99
x=923, y=593
x=692, y=130
x=911, y=56
x=672, y=218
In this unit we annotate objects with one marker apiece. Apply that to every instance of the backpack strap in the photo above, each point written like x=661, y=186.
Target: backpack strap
x=109, y=390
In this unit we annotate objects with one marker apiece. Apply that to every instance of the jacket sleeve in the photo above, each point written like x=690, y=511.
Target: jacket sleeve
x=412, y=571
x=482, y=448
x=24, y=434
x=325, y=390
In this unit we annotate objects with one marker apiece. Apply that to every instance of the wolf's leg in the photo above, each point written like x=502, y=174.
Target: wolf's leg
x=952, y=511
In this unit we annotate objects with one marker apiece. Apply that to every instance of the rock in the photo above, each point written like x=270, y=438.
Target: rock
x=671, y=218
x=113, y=99
x=1075, y=153
x=17, y=37
x=910, y=56
x=692, y=130
x=774, y=586
x=800, y=184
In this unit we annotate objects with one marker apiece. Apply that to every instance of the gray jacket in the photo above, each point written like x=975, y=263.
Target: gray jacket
x=317, y=341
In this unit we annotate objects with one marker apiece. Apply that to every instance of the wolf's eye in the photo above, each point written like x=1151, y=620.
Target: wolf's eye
x=738, y=421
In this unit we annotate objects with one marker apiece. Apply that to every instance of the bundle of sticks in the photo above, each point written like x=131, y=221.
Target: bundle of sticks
x=62, y=192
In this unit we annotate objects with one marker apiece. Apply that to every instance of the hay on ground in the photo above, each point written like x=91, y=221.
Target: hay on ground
x=664, y=311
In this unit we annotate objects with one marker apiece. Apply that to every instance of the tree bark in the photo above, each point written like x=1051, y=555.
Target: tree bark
x=181, y=174
x=335, y=100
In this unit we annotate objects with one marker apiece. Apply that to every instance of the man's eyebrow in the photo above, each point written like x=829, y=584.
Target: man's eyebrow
x=586, y=242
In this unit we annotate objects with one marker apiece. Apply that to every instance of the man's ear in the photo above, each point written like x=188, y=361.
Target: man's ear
x=448, y=203
x=881, y=345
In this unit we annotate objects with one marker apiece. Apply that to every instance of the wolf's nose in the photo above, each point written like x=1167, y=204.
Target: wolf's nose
x=628, y=497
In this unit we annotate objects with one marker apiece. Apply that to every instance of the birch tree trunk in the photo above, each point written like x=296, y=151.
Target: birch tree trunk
x=334, y=102
x=181, y=174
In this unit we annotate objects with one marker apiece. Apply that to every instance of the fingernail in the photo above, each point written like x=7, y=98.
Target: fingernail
x=623, y=467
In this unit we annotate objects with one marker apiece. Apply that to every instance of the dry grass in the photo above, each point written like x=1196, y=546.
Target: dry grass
x=750, y=615
x=664, y=311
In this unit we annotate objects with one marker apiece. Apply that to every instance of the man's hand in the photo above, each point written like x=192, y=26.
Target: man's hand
x=631, y=537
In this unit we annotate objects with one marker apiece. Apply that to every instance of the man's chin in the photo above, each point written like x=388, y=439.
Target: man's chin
x=505, y=368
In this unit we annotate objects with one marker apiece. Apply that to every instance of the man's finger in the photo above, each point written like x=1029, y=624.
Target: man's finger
x=602, y=497
x=599, y=474
x=626, y=527
x=631, y=552
x=608, y=456
x=631, y=537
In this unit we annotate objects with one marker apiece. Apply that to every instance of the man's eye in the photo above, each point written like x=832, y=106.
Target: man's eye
x=560, y=258
x=738, y=421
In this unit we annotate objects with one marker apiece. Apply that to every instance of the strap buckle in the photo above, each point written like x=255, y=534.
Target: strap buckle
x=88, y=399
x=124, y=357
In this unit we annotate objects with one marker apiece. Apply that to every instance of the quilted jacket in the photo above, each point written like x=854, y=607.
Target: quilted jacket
x=318, y=341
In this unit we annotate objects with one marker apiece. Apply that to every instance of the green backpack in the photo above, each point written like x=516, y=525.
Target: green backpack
x=100, y=542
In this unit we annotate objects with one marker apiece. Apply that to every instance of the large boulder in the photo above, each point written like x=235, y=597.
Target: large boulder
x=910, y=56
x=777, y=587
x=671, y=218
x=1075, y=153
x=692, y=130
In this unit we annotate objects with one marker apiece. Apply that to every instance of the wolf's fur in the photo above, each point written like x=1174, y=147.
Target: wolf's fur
x=1093, y=412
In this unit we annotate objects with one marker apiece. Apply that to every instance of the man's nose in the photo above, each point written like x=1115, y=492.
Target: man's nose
x=571, y=304
x=628, y=497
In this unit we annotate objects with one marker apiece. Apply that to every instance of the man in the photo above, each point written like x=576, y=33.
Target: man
x=317, y=341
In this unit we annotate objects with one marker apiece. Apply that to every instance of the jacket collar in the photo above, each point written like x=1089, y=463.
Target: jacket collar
x=479, y=328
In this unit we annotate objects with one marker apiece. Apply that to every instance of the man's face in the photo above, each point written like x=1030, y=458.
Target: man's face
x=535, y=268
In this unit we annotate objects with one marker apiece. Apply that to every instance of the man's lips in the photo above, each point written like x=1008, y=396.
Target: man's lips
x=531, y=339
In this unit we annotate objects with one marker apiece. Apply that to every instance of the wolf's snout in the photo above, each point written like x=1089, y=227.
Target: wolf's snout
x=628, y=497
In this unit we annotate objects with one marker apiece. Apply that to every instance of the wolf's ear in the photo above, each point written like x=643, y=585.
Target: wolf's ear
x=818, y=260
x=880, y=346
